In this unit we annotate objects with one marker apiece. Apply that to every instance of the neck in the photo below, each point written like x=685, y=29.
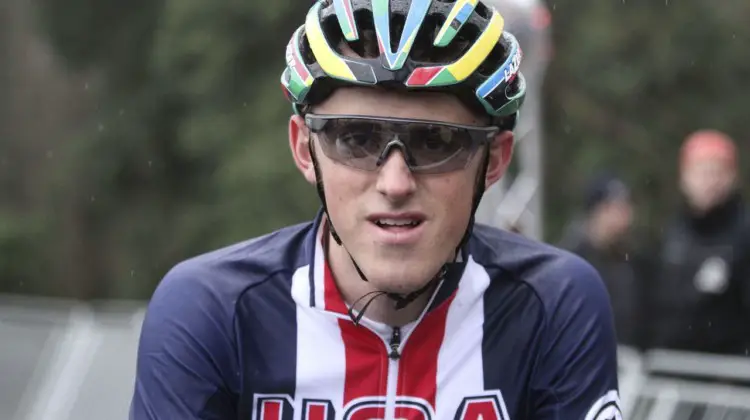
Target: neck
x=352, y=287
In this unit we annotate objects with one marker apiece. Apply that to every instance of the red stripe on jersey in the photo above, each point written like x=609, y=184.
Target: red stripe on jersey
x=366, y=363
x=419, y=359
x=366, y=356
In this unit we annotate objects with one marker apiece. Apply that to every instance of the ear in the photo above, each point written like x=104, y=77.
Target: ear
x=299, y=142
x=501, y=152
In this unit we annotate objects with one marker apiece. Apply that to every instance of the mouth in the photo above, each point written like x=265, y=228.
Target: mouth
x=398, y=228
x=397, y=223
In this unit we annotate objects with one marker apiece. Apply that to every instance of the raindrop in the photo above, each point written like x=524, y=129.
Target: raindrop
x=93, y=198
x=101, y=127
x=150, y=163
x=49, y=154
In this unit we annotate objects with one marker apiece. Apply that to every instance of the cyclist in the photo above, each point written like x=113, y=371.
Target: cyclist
x=391, y=303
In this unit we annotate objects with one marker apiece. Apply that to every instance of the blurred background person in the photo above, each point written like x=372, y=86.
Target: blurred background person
x=603, y=237
x=701, y=297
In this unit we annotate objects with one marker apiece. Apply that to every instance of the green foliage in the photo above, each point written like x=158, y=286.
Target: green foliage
x=192, y=157
x=629, y=81
x=107, y=34
x=187, y=150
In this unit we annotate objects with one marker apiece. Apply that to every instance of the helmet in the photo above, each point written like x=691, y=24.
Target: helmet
x=452, y=46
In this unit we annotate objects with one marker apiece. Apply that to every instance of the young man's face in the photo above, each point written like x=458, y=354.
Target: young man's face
x=360, y=202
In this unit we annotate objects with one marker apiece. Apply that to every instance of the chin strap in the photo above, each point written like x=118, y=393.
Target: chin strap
x=401, y=301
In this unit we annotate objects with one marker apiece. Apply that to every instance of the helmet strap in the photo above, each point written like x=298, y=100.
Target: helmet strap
x=322, y=194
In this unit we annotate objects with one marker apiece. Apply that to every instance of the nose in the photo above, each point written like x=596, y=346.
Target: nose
x=395, y=180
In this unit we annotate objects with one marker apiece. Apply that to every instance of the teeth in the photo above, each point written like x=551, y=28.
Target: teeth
x=395, y=222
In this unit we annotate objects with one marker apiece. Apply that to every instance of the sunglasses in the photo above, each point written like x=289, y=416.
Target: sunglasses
x=428, y=147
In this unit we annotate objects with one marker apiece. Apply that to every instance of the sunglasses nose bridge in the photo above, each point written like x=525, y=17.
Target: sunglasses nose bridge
x=396, y=142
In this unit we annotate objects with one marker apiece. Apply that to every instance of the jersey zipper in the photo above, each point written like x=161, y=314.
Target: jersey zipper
x=393, y=348
x=395, y=343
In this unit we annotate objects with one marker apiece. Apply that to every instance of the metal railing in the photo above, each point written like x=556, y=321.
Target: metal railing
x=63, y=360
x=672, y=385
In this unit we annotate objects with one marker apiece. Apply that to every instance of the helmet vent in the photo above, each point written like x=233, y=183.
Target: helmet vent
x=366, y=46
x=305, y=51
x=489, y=65
x=482, y=10
x=397, y=29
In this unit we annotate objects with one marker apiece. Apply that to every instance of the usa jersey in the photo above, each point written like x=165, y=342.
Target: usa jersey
x=259, y=331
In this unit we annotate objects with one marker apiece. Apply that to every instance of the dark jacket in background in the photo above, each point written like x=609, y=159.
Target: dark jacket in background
x=700, y=298
x=623, y=272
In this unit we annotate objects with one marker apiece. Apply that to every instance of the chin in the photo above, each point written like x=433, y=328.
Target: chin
x=399, y=278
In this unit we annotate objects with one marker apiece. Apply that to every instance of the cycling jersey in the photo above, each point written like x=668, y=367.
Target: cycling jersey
x=258, y=330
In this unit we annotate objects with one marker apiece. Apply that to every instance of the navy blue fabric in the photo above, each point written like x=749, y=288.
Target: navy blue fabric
x=221, y=329
x=549, y=340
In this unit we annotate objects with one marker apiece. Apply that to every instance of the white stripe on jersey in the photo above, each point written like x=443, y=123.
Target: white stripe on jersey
x=321, y=358
x=460, y=365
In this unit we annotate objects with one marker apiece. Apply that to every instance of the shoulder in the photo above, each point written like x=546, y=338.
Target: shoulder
x=557, y=276
x=574, y=356
x=189, y=335
x=566, y=291
x=190, y=319
x=212, y=283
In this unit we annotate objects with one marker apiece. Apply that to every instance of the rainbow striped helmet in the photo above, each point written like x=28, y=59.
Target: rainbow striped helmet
x=456, y=46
